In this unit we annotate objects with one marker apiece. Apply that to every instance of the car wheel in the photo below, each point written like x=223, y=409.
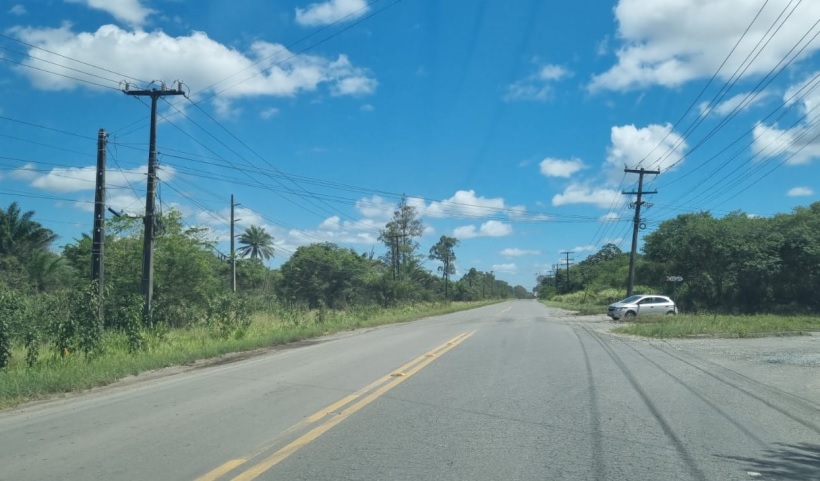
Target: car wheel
x=670, y=313
x=629, y=315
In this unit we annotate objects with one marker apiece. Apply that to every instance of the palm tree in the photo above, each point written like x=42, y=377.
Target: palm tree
x=256, y=243
x=19, y=235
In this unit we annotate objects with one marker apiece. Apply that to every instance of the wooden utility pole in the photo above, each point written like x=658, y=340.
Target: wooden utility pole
x=630, y=283
x=98, y=242
x=568, y=260
x=150, y=197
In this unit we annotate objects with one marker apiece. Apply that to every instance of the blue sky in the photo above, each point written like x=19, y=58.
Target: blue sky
x=507, y=124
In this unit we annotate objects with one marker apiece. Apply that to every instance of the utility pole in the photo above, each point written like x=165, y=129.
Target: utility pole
x=150, y=197
x=568, y=260
x=98, y=242
x=555, y=268
x=630, y=283
x=233, y=253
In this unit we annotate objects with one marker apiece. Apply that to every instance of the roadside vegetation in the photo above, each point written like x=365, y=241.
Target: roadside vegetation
x=60, y=332
x=722, y=325
x=742, y=275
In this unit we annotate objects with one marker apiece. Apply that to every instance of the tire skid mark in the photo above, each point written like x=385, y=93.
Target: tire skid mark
x=705, y=400
x=784, y=412
x=597, y=445
x=694, y=469
x=808, y=404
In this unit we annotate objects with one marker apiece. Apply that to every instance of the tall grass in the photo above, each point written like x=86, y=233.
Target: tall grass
x=720, y=325
x=54, y=374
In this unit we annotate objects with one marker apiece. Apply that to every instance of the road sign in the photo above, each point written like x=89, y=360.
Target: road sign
x=674, y=279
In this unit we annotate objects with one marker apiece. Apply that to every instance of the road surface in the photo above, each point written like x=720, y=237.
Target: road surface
x=504, y=392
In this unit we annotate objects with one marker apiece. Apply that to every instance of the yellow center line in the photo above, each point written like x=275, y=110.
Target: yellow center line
x=378, y=382
x=258, y=469
x=219, y=471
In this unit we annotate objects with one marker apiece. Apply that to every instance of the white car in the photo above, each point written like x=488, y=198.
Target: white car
x=642, y=305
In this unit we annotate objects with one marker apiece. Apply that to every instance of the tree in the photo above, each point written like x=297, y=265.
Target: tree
x=442, y=251
x=325, y=275
x=399, y=237
x=256, y=243
x=25, y=258
x=21, y=236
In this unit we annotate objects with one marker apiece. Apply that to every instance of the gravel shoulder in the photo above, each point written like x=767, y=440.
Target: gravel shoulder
x=790, y=364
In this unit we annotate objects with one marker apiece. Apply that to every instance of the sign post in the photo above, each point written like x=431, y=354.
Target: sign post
x=674, y=280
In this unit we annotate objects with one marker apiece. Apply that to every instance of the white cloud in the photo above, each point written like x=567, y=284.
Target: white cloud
x=331, y=223
x=355, y=86
x=331, y=11
x=128, y=11
x=465, y=203
x=800, y=192
x=552, y=167
x=267, y=69
x=670, y=43
x=18, y=10
x=376, y=208
x=505, y=268
x=582, y=194
x=75, y=179
x=537, y=86
x=516, y=252
x=653, y=147
x=269, y=112
x=742, y=101
x=800, y=143
x=586, y=248
x=491, y=228
x=367, y=108
x=609, y=217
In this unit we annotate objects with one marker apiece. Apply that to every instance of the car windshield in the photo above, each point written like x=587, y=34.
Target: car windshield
x=630, y=300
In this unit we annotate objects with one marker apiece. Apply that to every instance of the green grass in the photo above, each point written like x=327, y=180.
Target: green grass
x=580, y=308
x=53, y=375
x=720, y=325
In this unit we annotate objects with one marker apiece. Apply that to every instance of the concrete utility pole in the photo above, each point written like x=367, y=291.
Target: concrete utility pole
x=98, y=242
x=630, y=284
x=568, y=260
x=233, y=252
x=150, y=197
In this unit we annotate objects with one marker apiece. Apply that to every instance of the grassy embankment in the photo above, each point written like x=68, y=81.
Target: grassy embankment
x=689, y=325
x=721, y=325
x=53, y=375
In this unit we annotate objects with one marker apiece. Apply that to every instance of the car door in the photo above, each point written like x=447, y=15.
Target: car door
x=652, y=306
x=645, y=306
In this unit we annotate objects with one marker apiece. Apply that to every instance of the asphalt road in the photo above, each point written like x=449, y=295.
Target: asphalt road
x=505, y=392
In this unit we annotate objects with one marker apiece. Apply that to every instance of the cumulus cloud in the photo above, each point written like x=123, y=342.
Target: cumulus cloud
x=800, y=143
x=127, y=11
x=75, y=179
x=537, y=86
x=505, y=268
x=552, y=167
x=653, y=147
x=741, y=102
x=375, y=207
x=799, y=192
x=491, y=228
x=516, y=252
x=266, y=69
x=609, y=217
x=324, y=13
x=465, y=203
x=576, y=193
x=670, y=43
x=18, y=10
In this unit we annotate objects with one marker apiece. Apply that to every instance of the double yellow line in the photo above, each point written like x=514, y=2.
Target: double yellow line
x=332, y=415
